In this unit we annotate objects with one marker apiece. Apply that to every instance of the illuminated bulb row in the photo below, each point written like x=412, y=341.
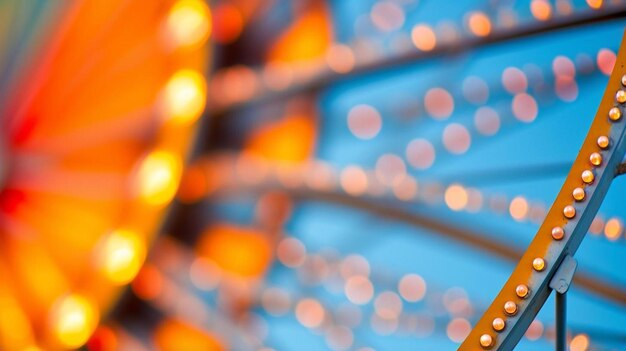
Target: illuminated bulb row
x=121, y=253
x=539, y=264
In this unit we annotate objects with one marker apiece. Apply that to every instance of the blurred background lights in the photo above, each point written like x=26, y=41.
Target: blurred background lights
x=479, y=24
x=189, y=22
x=73, y=318
x=121, y=254
x=423, y=37
x=364, y=121
x=456, y=197
x=158, y=177
x=185, y=97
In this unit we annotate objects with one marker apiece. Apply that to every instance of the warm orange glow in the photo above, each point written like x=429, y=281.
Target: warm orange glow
x=514, y=80
x=519, y=208
x=72, y=319
x=479, y=24
x=423, y=37
x=120, y=255
x=228, y=23
x=364, y=121
x=290, y=140
x=456, y=197
x=535, y=330
x=158, y=177
x=439, y=103
x=487, y=120
x=458, y=329
x=420, y=153
x=525, y=107
x=613, y=229
x=193, y=185
x=541, y=9
x=237, y=250
x=595, y=4
x=388, y=305
x=148, y=283
x=103, y=339
x=606, y=61
x=310, y=313
x=340, y=58
x=184, y=97
x=291, y=252
x=359, y=289
x=456, y=138
x=307, y=38
x=353, y=180
x=175, y=335
x=412, y=287
x=387, y=16
x=15, y=329
x=189, y=22
x=579, y=343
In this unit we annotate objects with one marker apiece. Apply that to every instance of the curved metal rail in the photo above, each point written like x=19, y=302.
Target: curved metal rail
x=516, y=306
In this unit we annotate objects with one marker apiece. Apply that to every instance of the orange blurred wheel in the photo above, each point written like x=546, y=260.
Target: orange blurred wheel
x=98, y=112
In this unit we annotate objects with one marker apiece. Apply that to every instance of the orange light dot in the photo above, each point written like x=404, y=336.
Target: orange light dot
x=340, y=58
x=525, y=107
x=288, y=140
x=103, y=339
x=412, y=287
x=237, y=250
x=359, y=289
x=353, y=180
x=438, y=103
x=606, y=61
x=175, y=335
x=310, y=313
x=423, y=37
x=291, y=252
x=479, y=24
x=566, y=88
x=456, y=197
x=387, y=16
x=535, y=330
x=228, y=23
x=189, y=22
x=458, y=329
x=518, y=208
x=405, y=189
x=595, y=4
x=487, y=120
x=193, y=185
x=120, y=255
x=204, y=275
x=541, y=9
x=148, y=284
x=613, y=229
x=579, y=343
x=185, y=97
x=514, y=80
x=388, y=305
x=456, y=138
x=390, y=169
x=73, y=318
x=420, y=153
x=563, y=66
x=158, y=177
x=364, y=121
x=276, y=301
x=597, y=226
